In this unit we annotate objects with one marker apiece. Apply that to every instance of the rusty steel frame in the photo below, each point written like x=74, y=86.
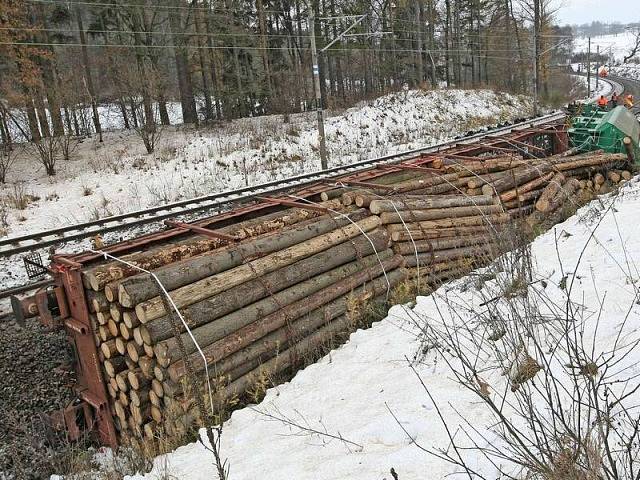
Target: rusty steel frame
x=73, y=314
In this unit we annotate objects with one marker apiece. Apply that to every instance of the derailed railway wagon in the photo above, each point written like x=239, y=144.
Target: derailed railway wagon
x=272, y=277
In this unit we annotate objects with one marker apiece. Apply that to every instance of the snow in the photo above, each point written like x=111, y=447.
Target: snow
x=352, y=391
x=628, y=70
x=117, y=176
x=615, y=45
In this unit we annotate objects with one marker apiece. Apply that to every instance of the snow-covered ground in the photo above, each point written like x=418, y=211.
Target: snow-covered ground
x=355, y=391
x=617, y=46
x=629, y=70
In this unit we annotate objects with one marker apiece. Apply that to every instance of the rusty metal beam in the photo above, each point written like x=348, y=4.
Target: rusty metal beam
x=291, y=203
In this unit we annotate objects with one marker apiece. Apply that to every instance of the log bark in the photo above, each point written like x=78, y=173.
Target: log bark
x=451, y=222
x=534, y=184
x=99, y=276
x=415, y=234
x=409, y=248
x=516, y=177
x=567, y=191
x=209, y=286
x=109, y=349
x=256, y=330
x=114, y=366
x=549, y=192
x=437, y=213
x=488, y=250
x=480, y=180
x=139, y=288
x=380, y=206
x=298, y=273
x=317, y=287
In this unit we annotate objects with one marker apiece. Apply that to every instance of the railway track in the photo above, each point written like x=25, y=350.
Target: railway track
x=217, y=201
x=224, y=200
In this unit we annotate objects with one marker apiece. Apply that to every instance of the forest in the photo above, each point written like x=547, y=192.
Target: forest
x=61, y=60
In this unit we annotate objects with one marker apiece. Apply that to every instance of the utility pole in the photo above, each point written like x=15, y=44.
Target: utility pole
x=324, y=157
x=536, y=16
x=316, y=86
x=589, y=69
x=597, y=65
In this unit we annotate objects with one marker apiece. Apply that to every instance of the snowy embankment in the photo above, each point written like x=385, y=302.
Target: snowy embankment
x=355, y=392
x=628, y=70
x=616, y=46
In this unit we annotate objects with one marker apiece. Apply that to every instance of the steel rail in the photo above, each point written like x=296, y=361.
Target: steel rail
x=13, y=245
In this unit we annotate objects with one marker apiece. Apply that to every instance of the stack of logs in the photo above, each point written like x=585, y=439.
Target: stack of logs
x=289, y=284
x=290, y=279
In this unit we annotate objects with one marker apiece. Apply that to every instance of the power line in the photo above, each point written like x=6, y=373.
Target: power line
x=470, y=53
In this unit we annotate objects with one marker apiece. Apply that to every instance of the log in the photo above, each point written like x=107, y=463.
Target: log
x=550, y=191
x=154, y=399
x=148, y=351
x=116, y=311
x=103, y=317
x=476, y=182
x=108, y=348
x=121, y=380
x=121, y=345
x=451, y=222
x=613, y=176
x=567, y=191
x=114, y=366
x=139, y=397
x=137, y=380
x=256, y=330
x=113, y=327
x=246, y=359
x=409, y=248
x=123, y=398
x=147, y=366
x=130, y=318
x=626, y=174
x=137, y=335
x=140, y=415
x=284, y=361
x=104, y=333
x=523, y=199
x=516, y=177
x=331, y=194
x=437, y=213
x=252, y=331
x=272, y=283
x=487, y=250
x=530, y=186
x=156, y=414
x=125, y=332
x=97, y=301
x=209, y=286
x=134, y=351
x=426, y=182
x=142, y=287
x=415, y=234
x=151, y=259
x=379, y=206
x=318, y=288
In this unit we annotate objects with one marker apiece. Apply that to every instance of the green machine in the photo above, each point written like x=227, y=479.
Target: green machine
x=595, y=129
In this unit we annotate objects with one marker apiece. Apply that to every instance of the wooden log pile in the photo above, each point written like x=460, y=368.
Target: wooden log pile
x=293, y=279
x=253, y=306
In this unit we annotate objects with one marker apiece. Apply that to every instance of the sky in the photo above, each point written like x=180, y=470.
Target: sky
x=586, y=11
